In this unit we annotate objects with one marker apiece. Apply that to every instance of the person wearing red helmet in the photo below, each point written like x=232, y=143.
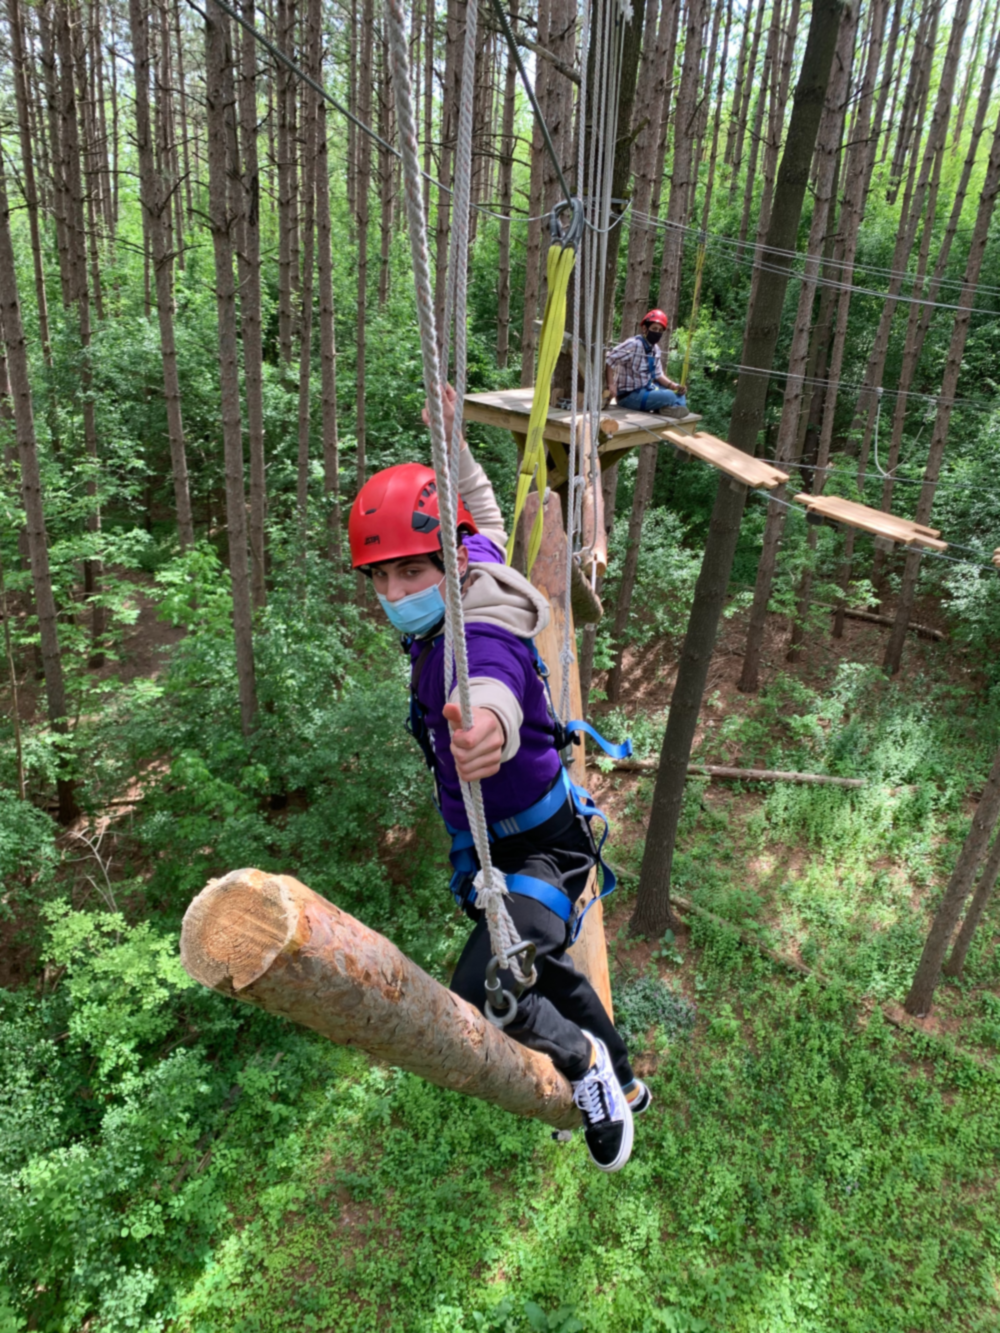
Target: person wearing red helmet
x=540, y=839
x=635, y=373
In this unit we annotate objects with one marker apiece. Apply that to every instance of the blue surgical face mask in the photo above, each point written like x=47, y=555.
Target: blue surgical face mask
x=417, y=612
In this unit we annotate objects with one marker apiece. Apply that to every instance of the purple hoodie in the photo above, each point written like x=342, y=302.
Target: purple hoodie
x=502, y=611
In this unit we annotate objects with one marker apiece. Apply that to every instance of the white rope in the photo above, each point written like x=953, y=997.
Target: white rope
x=490, y=885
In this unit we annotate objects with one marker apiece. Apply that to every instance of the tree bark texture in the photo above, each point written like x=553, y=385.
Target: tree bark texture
x=645, y=476
x=653, y=913
x=270, y=941
x=155, y=202
x=364, y=155
x=955, y=963
x=31, y=493
x=949, y=385
x=285, y=89
x=312, y=48
x=505, y=199
x=928, y=974
x=218, y=61
x=28, y=170
x=327, y=341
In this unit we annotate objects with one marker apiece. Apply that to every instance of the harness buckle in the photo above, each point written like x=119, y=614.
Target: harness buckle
x=501, y=1004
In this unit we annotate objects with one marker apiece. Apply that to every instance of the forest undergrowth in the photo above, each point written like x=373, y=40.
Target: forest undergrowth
x=171, y=1160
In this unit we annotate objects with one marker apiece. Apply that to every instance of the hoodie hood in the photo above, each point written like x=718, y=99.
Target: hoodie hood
x=498, y=595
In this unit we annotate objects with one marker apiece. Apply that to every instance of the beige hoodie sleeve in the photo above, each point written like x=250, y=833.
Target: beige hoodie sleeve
x=485, y=692
x=475, y=489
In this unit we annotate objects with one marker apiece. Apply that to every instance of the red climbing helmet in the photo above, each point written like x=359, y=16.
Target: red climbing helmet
x=396, y=514
x=655, y=317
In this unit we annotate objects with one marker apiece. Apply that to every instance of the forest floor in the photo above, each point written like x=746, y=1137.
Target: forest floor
x=806, y=1166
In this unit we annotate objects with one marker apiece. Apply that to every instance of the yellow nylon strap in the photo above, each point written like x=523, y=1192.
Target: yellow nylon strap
x=559, y=265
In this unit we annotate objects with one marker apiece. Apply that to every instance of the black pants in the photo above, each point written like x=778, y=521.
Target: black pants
x=551, y=1014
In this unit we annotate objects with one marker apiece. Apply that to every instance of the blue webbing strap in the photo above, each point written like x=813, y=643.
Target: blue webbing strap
x=623, y=751
x=530, y=887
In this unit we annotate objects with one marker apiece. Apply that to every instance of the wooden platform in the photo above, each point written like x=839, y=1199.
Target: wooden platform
x=855, y=515
x=511, y=408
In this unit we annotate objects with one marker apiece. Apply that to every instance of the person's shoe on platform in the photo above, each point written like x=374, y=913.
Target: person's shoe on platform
x=677, y=413
x=607, y=1116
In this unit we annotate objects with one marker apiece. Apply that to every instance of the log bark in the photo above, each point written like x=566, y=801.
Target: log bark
x=921, y=996
x=653, y=913
x=271, y=942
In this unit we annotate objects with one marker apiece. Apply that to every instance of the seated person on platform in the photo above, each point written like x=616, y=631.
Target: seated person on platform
x=635, y=373
x=510, y=748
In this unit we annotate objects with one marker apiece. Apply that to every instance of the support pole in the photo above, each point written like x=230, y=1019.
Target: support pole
x=548, y=574
x=270, y=941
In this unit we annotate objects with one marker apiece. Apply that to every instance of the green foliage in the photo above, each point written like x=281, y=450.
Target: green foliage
x=647, y=1003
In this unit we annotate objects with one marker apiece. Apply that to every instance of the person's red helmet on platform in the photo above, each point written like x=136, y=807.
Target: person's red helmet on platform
x=396, y=514
x=655, y=317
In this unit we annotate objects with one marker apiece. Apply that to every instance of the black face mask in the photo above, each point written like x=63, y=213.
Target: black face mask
x=654, y=335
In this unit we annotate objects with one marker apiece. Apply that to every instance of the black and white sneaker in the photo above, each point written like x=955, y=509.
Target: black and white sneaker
x=642, y=1099
x=607, y=1116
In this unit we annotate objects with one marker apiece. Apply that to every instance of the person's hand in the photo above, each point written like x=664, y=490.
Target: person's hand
x=477, y=751
x=448, y=400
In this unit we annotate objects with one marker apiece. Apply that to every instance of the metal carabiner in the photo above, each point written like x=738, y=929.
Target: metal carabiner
x=497, y=995
x=572, y=232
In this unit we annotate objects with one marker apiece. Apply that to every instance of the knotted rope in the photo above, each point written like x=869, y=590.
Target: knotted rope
x=490, y=884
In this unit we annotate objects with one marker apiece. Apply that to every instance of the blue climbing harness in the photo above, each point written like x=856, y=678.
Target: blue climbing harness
x=465, y=864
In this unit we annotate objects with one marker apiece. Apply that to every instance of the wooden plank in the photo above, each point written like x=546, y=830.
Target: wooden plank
x=734, y=462
x=589, y=954
x=869, y=520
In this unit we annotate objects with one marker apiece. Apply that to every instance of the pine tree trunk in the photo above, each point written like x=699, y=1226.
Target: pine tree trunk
x=743, y=112
x=28, y=171
x=653, y=912
x=955, y=963
x=31, y=492
x=453, y=44
x=534, y=250
x=645, y=476
x=365, y=73
x=250, y=308
x=622, y=165
x=505, y=200
x=327, y=341
x=768, y=90
x=647, y=126
x=928, y=974
x=312, y=48
x=154, y=205
x=949, y=385
x=385, y=172
x=285, y=87
x=789, y=437
x=218, y=63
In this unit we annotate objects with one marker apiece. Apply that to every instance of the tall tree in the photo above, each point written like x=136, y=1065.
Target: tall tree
x=31, y=492
x=285, y=89
x=364, y=153
x=327, y=339
x=921, y=994
x=218, y=67
x=505, y=201
x=154, y=192
x=312, y=53
x=653, y=913
x=946, y=399
x=955, y=964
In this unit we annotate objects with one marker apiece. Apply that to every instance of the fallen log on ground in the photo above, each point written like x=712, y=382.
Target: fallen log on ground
x=737, y=774
x=925, y=631
x=270, y=941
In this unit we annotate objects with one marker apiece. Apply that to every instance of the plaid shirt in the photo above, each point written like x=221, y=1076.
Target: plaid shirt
x=631, y=361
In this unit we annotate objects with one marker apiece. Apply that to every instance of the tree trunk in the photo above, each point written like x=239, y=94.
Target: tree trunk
x=182, y=103
x=647, y=119
x=250, y=308
x=741, y=113
x=653, y=913
x=533, y=242
x=505, y=199
x=154, y=206
x=928, y=974
x=768, y=90
x=789, y=437
x=28, y=171
x=621, y=168
x=271, y=942
x=361, y=218
x=31, y=493
x=218, y=62
x=949, y=385
x=450, y=95
x=312, y=51
x=645, y=476
x=327, y=340
x=685, y=129
x=955, y=963
x=385, y=172
x=285, y=88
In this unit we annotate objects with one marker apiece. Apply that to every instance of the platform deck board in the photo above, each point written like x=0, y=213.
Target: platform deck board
x=511, y=408
x=861, y=516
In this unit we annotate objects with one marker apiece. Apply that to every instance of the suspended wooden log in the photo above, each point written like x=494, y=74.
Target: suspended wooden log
x=270, y=941
x=738, y=774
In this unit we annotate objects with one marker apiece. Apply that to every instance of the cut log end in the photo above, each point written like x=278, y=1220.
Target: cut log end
x=235, y=928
